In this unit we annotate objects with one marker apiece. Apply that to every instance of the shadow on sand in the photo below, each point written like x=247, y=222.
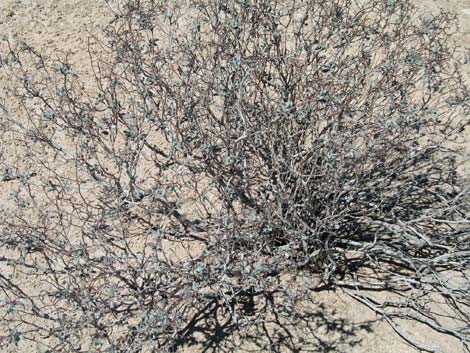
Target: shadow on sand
x=269, y=323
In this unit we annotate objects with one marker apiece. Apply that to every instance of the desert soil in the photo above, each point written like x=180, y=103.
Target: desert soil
x=65, y=25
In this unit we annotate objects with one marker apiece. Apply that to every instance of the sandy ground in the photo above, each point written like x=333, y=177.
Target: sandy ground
x=64, y=25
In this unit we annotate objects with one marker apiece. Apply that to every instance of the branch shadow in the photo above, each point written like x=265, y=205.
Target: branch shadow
x=268, y=323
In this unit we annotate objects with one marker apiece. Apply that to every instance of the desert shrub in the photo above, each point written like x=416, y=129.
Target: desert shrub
x=229, y=159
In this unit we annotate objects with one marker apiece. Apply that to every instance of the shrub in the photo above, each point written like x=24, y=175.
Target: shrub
x=228, y=160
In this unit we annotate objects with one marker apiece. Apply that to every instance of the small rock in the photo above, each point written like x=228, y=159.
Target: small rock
x=10, y=14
